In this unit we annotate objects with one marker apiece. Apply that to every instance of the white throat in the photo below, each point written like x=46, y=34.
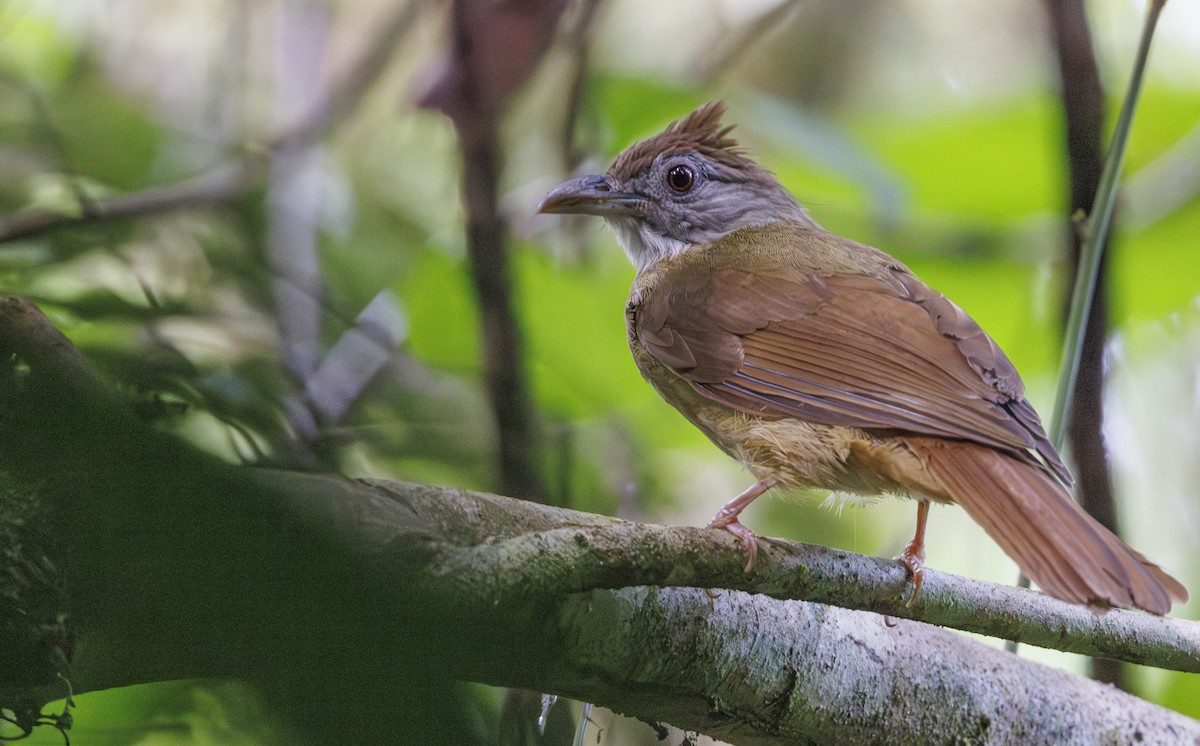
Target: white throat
x=643, y=245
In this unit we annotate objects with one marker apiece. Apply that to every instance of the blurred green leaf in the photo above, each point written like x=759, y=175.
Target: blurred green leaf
x=1182, y=693
x=106, y=134
x=992, y=162
x=635, y=108
x=32, y=46
x=818, y=140
x=1164, y=116
x=176, y=713
x=442, y=310
x=1156, y=271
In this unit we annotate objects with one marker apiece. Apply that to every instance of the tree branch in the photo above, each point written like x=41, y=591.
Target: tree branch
x=323, y=590
x=518, y=552
x=751, y=671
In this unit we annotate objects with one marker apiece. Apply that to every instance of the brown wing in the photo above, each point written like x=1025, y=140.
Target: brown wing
x=856, y=350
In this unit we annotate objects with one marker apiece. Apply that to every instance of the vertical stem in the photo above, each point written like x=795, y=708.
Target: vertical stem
x=1095, y=229
x=495, y=46
x=292, y=205
x=508, y=390
x=1078, y=407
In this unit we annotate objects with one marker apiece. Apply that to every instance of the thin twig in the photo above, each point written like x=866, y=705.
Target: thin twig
x=571, y=155
x=578, y=45
x=1080, y=333
x=1095, y=230
x=1083, y=108
x=356, y=80
x=730, y=48
x=503, y=345
x=224, y=183
x=494, y=48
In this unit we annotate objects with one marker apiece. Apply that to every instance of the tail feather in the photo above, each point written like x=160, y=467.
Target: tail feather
x=1053, y=540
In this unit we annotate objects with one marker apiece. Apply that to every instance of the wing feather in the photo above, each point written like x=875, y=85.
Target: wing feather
x=871, y=350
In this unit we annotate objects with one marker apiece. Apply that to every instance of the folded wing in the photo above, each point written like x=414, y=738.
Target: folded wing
x=842, y=349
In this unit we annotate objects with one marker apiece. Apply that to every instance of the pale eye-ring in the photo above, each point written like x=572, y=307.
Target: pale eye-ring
x=681, y=178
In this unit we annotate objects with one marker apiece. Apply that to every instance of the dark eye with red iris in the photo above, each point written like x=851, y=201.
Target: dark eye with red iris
x=681, y=178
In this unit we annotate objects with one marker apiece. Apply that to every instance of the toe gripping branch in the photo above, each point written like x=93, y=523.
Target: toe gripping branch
x=727, y=518
x=913, y=556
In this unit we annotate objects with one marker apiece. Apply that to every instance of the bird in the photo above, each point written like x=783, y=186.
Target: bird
x=820, y=362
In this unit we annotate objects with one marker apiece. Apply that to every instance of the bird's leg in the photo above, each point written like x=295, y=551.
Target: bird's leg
x=913, y=556
x=727, y=518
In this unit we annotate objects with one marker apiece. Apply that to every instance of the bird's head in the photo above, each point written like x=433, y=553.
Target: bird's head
x=690, y=184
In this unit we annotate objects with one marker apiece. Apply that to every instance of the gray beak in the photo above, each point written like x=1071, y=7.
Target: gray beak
x=593, y=195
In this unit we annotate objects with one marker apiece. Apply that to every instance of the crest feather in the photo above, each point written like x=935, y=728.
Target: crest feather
x=700, y=131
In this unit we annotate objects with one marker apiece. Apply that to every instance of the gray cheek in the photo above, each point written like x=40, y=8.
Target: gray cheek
x=716, y=216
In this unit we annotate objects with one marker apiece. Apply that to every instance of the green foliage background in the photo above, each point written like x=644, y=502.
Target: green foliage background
x=964, y=183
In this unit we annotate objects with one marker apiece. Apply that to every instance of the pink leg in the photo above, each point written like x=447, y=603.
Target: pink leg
x=913, y=556
x=727, y=518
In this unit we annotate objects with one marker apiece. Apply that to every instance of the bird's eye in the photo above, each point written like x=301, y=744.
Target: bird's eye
x=681, y=178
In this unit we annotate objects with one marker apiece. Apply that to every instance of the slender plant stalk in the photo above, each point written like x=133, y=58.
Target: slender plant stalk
x=1095, y=229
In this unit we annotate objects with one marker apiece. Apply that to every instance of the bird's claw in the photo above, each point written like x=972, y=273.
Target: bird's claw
x=913, y=559
x=745, y=535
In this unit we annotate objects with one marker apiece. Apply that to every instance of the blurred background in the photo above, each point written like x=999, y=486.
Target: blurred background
x=301, y=233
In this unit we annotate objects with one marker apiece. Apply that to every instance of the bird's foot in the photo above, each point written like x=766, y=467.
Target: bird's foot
x=913, y=559
x=731, y=524
x=727, y=518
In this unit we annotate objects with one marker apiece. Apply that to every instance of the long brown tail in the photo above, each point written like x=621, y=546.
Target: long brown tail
x=1033, y=518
